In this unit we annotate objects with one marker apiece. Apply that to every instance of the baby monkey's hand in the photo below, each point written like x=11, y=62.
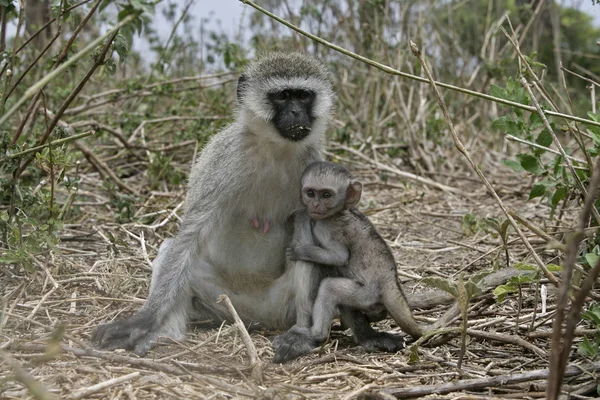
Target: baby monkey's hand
x=299, y=253
x=291, y=254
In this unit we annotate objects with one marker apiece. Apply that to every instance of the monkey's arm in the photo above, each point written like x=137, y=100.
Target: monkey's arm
x=328, y=251
x=336, y=256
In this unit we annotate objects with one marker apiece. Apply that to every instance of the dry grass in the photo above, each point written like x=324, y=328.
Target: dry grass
x=100, y=272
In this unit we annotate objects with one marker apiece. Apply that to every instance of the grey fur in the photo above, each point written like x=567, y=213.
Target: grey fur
x=246, y=174
x=346, y=240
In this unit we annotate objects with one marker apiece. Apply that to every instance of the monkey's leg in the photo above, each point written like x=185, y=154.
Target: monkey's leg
x=165, y=312
x=365, y=336
x=339, y=292
x=306, y=275
x=296, y=341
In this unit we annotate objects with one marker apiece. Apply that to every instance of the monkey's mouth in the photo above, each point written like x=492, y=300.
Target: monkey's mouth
x=317, y=215
x=297, y=132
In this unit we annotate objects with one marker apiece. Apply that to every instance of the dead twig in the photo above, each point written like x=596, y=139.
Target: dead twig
x=255, y=362
x=500, y=380
x=505, y=338
x=84, y=392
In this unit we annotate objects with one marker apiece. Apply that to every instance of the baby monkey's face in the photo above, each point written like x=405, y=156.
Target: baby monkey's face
x=323, y=201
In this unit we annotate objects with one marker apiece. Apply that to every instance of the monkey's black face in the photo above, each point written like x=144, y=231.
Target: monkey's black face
x=293, y=112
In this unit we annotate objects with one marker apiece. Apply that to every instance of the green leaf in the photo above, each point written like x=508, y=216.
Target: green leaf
x=472, y=289
x=502, y=290
x=497, y=91
x=538, y=190
x=413, y=357
x=476, y=278
x=594, y=116
x=554, y=268
x=507, y=126
x=544, y=138
x=530, y=163
x=535, y=121
x=522, y=279
x=493, y=223
x=560, y=194
x=525, y=267
x=593, y=315
x=442, y=284
x=514, y=165
x=587, y=348
x=592, y=259
x=504, y=229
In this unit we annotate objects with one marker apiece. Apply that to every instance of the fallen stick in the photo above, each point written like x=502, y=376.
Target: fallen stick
x=500, y=380
x=255, y=362
x=252, y=353
x=81, y=393
x=120, y=359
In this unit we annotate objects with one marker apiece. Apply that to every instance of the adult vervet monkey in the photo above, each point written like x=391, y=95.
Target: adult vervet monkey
x=242, y=194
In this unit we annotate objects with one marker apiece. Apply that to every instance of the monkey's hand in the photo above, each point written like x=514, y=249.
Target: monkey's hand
x=299, y=253
x=291, y=345
x=291, y=254
x=134, y=333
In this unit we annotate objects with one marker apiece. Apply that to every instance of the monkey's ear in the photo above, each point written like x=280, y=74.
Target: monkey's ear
x=241, y=87
x=353, y=193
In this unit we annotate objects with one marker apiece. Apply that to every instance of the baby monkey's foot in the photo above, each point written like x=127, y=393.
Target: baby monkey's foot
x=266, y=226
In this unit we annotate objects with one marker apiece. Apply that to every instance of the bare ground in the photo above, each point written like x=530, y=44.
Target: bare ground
x=100, y=271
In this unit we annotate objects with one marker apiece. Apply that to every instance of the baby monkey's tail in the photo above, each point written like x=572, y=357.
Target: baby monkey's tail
x=396, y=304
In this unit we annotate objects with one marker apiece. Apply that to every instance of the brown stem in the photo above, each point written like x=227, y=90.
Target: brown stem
x=562, y=344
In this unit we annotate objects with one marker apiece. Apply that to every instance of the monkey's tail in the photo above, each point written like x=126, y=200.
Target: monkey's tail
x=396, y=304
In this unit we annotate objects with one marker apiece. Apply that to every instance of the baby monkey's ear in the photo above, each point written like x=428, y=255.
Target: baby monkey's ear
x=353, y=194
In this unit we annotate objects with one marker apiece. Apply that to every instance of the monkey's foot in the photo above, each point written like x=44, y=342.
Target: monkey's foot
x=382, y=341
x=266, y=226
x=291, y=345
x=135, y=334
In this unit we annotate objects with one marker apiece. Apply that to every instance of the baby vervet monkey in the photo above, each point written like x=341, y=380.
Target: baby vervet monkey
x=366, y=276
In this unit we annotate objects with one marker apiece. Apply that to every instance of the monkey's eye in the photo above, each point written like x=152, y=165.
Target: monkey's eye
x=303, y=95
x=310, y=193
x=283, y=95
x=326, y=195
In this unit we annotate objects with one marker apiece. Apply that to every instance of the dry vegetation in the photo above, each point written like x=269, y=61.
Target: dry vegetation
x=83, y=219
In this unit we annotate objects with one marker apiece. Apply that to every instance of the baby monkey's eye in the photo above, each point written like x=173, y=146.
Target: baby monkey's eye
x=326, y=195
x=310, y=193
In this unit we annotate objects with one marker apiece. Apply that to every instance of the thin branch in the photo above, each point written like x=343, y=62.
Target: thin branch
x=499, y=380
x=53, y=143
